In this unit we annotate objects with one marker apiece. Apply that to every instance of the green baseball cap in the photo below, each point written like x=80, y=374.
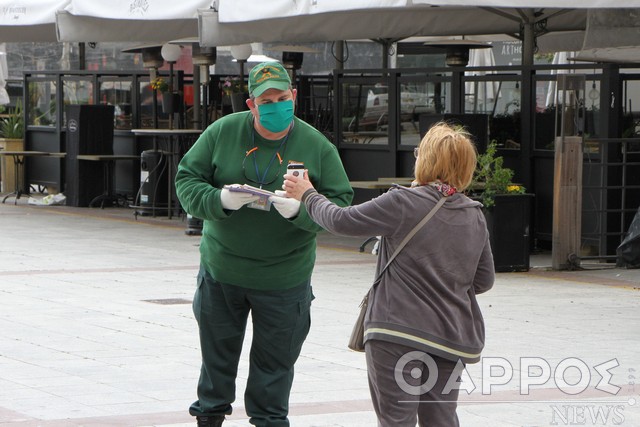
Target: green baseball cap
x=268, y=75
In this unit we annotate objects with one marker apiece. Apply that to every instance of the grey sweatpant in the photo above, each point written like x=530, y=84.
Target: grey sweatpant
x=407, y=386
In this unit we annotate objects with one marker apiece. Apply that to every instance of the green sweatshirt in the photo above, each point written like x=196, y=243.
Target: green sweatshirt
x=249, y=247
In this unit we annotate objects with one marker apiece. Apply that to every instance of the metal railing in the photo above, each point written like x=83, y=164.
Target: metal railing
x=610, y=194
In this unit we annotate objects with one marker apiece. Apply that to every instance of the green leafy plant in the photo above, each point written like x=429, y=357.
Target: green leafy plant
x=491, y=178
x=12, y=127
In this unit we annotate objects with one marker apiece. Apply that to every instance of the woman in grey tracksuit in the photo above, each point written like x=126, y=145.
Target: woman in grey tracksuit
x=424, y=322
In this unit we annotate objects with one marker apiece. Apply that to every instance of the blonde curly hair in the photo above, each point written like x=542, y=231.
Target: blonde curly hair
x=446, y=154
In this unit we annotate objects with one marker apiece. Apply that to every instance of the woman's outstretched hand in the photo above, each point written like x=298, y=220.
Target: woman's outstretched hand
x=296, y=186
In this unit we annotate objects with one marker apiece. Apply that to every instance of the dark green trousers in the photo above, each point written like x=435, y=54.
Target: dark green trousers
x=281, y=321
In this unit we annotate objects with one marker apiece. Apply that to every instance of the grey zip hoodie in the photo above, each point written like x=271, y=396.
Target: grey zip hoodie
x=427, y=297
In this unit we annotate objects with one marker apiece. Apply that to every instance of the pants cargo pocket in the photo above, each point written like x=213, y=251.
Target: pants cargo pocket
x=303, y=324
x=196, y=305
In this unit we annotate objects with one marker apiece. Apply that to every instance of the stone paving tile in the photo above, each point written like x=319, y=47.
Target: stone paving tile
x=81, y=345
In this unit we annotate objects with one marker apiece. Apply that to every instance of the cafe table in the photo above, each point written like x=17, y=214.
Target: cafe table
x=19, y=158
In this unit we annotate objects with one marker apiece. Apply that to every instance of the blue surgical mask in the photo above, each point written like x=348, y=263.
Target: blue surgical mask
x=276, y=116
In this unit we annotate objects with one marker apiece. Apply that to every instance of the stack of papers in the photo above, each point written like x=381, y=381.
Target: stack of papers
x=246, y=188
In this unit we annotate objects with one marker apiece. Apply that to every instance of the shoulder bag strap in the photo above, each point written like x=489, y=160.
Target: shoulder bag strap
x=409, y=235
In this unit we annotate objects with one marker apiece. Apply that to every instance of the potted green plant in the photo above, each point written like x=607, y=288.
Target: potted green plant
x=12, y=126
x=506, y=209
x=491, y=178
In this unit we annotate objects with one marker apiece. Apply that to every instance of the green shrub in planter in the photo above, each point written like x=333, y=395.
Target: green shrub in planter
x=12, y=127
x=491, y=178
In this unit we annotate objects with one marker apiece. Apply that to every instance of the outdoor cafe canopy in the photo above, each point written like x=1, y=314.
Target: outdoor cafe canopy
x=29, y=20
x=232, y=22
x=127, y=21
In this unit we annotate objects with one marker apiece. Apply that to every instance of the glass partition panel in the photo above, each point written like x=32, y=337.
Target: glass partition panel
x=592, y=108
x=421, y=105
x=365, y=113
x=504, y=120
x=76, y=91
x=150, y=108
x=42, y=103
x=480, y=95
x=630, y=108
x=545, y=121
x=117, y=92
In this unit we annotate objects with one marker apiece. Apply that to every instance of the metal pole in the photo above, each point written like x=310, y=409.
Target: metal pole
x=82, y=59
x=385, y=53
x=339, y=54
x=171, y=109
x=528, y=43
x=196, y=98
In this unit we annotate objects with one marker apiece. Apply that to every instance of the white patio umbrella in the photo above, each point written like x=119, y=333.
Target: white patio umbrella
x=234, y=22
x=611, y=36
x=216, y=28
x=127, y=21
x=248, y=10
x=29, y=20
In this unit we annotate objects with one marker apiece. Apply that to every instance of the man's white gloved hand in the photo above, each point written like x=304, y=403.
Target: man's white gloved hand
x=234, y=200
x=287, y=207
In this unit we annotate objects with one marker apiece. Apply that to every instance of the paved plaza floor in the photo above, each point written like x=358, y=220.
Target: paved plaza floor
x=96, y=329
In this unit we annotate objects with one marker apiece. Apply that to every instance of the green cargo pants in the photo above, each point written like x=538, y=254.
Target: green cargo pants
x=281, y=321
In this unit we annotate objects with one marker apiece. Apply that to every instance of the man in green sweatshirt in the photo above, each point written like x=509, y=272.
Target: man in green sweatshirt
x=257, y=252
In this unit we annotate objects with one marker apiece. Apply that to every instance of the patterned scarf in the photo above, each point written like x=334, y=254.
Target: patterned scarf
x=444, y=188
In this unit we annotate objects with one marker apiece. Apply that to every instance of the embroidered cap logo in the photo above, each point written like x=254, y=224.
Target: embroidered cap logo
x=265, y=74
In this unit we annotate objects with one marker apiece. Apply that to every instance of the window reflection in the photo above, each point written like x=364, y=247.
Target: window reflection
x=630, y=113
x=481, y=96
x=365, y=113
x=76, y=91
x=420, y=99
x=42, y=103
x=117, y=92
x=544, y=122
x=417, y=99
x=161, y=106
x=504, y=124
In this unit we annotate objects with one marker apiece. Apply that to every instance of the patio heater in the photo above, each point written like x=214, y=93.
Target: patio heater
x=153, y=162
x=151, y=60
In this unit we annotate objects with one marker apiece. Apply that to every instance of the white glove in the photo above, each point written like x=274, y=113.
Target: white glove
x=287, y=207
x=234, y=200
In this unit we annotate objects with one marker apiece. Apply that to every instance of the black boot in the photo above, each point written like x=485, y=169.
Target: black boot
x=210, y=421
